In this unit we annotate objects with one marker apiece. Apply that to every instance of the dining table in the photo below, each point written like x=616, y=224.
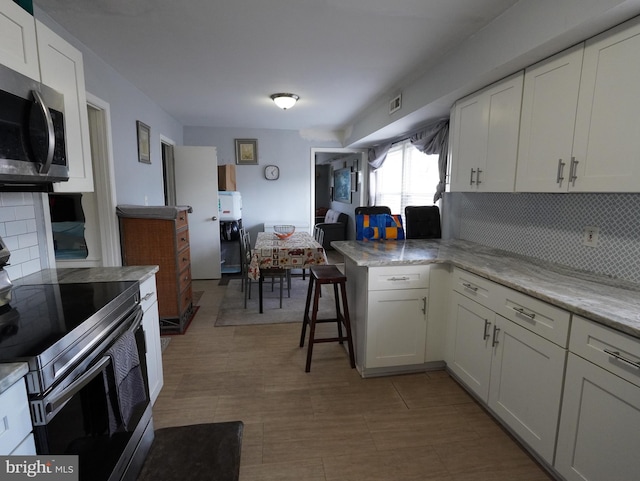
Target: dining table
x=299, y=251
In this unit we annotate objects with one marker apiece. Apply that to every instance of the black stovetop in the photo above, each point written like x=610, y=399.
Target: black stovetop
x=39, y=316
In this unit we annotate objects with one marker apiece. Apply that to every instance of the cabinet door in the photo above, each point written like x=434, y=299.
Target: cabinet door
x=151, y=326
x=503, y=105
x=62, y=68
x=485, y=138
x=397, y=331
x=549, y=102
x=607, y=143
x=469, y=142
x=471, y=333
x=526, y=385
x=18, y=49
x=598, y=436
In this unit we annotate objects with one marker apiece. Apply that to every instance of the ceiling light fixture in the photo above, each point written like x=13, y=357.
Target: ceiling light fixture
x=285, y=101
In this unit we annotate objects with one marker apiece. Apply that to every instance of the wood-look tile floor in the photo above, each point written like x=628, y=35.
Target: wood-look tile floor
x=329, y=424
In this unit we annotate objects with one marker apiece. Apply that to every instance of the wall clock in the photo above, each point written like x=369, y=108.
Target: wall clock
x=271, y=172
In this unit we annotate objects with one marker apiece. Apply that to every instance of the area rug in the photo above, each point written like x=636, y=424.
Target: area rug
x=233, y=313
x=171, y=330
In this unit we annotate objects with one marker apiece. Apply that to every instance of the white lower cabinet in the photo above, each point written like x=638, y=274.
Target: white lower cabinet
x=600, y=422
x=516, y=372
x=526, y=385
x=389, y=307
x=397, y=327
x=151, y=326
x=15, y=421
x=471, y=336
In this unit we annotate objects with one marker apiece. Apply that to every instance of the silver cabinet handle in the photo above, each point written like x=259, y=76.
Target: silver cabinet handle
x=573, y=171
x=51, y=138
x=403, y=278
x=147, y=296
x=620, y=357
x=473, y=171
x=470, y=286
x=494, y=341
x=485, y=335
x=520, y=310
x=560, y=176
x=424, y=306
x=478, y=182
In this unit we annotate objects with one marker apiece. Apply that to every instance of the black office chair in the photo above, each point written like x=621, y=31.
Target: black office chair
x=423, y=222
x=373, y=210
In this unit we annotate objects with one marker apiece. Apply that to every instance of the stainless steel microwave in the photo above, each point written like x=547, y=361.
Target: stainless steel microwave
x=32, y=136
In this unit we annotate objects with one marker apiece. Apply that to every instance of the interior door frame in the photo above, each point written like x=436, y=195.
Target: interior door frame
x=363, y=179
x=104, y=181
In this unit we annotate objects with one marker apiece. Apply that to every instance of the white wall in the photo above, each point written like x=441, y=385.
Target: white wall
x=135, y=181
x=287, y=199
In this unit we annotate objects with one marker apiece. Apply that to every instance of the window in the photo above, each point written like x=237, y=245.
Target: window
x=407, y=177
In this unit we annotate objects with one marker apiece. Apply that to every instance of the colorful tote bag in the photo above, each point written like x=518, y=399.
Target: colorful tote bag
x=379, y=226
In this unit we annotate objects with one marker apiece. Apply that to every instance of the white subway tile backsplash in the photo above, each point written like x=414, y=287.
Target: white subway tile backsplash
x=19, y=231
x=7, y=214
x=16, y=227
x=28, y=239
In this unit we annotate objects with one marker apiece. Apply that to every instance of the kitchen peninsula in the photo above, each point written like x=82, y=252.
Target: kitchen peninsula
x=553, y=353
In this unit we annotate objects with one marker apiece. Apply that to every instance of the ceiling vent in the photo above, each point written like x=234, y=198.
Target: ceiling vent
x=395, y=104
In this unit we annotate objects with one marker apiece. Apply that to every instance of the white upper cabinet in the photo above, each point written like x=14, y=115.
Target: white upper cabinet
x=549, y=102
x=607, y=142
x=62, y=68
x=485, y=138
x=18, y=49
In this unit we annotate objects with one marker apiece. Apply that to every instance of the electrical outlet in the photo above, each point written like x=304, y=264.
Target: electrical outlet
x=591, y=236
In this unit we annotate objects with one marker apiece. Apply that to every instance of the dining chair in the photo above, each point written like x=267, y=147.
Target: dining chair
x=246, y=254
x=318, y=235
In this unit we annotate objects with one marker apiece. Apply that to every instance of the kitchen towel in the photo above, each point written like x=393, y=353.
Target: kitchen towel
x=124, y=383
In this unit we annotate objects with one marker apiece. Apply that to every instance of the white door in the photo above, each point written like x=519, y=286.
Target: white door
x=196, y=172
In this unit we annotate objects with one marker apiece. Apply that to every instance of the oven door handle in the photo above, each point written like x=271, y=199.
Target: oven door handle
x=49, y=407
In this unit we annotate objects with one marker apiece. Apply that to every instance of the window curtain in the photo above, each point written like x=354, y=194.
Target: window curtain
x=376, y=157
x=434, y=139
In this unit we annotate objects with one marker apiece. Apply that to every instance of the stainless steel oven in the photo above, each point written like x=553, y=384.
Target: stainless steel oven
x=32, y=135
x=87, y=379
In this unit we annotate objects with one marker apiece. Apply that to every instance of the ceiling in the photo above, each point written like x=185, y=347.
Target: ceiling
x=215, y=63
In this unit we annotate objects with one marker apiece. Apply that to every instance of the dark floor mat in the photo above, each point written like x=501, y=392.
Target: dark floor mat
x=199, y=452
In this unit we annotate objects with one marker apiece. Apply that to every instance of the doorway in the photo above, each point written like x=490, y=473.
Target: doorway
x=97, y=209
x=323, y=162
x=168, y=171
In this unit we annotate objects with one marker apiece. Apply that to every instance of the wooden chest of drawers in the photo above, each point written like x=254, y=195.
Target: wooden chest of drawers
x=162, y=238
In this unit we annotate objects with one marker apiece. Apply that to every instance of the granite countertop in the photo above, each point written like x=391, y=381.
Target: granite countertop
x=612, y=302
x=90, y=274
x=10, y=373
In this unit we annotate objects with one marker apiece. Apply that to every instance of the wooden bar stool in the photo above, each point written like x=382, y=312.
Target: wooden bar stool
x=320, y=275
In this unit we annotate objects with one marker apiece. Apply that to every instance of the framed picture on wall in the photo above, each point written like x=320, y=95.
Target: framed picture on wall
x=342, y=185
x=246, y=151
x=144, y=142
